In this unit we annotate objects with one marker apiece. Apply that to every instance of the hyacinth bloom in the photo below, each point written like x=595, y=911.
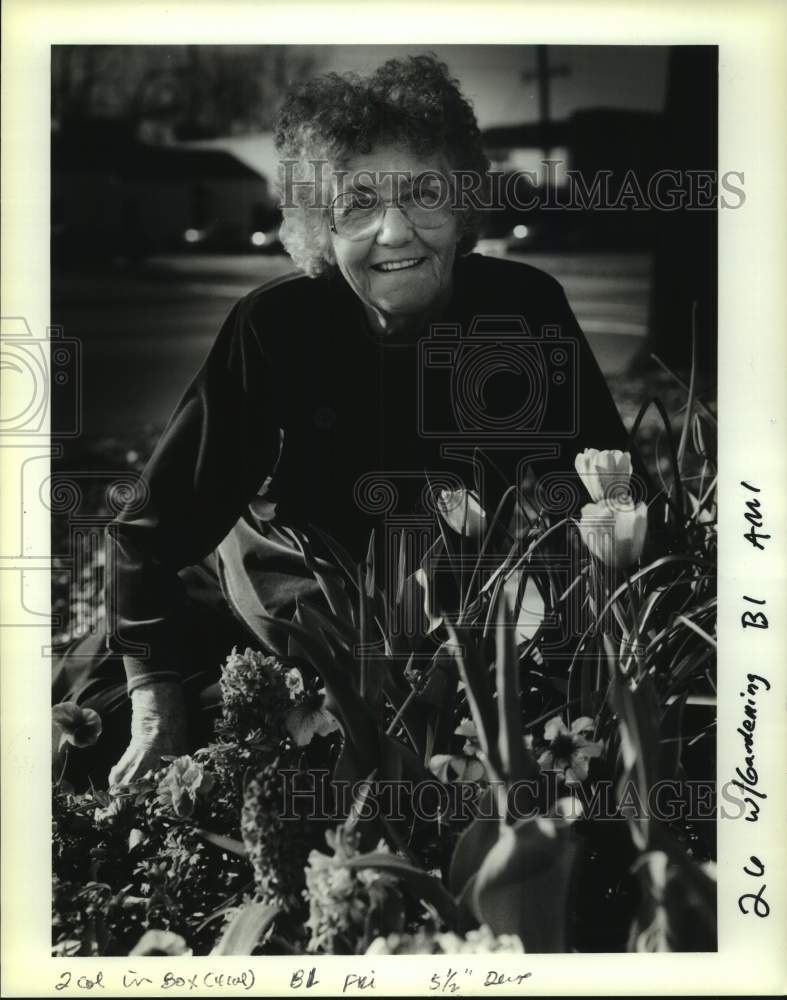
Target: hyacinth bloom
x=461, y=510
x=604, y=473
x=185, y=783
x=339, y=897
x=80, y=727
x=614, y=533
x=570, y=751
x=256, y=691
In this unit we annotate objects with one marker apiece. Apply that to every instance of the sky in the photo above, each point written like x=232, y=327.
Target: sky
x=624, y=76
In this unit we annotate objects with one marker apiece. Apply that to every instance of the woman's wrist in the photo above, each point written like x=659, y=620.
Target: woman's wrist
x=140, y=674
x=157, y=709
x=152, y=678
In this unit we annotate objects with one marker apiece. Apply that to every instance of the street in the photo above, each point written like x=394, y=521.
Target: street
x=144, y=336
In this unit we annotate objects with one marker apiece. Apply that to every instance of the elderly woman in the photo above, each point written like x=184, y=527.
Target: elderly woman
x=394, y=352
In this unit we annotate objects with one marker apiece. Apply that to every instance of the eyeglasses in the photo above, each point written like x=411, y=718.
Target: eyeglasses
x=358, y=215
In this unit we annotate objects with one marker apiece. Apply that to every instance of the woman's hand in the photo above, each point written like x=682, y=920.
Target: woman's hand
x=158, y=726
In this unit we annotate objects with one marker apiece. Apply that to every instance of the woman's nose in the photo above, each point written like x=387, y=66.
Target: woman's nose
x=395, y=228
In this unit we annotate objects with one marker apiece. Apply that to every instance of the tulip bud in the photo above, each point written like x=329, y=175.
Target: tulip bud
x=604, y=472
x=614, y=534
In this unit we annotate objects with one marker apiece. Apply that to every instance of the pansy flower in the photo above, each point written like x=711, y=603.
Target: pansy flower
x=570, y=750
x=464, y=766
x=310, y=718
x=80, y=727
x=185, y=784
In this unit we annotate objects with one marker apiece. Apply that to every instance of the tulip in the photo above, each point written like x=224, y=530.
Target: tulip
x=615, y=534
x=461, y=510
x=603, y=472
x=80, y=727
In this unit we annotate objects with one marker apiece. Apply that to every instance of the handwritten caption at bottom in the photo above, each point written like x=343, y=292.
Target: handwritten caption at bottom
x=446, y=981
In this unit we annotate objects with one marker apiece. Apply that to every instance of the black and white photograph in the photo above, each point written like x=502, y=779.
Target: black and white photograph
x=385, y=554
x=381, y=481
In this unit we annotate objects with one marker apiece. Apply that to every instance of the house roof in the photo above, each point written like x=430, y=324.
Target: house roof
x=111, y=150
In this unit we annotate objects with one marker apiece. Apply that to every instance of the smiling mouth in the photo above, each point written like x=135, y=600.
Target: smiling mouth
x=398, y=265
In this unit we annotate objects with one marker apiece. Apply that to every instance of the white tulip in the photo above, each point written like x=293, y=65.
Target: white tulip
x=602, y=471
x=615, y=534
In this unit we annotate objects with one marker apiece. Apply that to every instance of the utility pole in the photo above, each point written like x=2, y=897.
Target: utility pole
x=543, y=75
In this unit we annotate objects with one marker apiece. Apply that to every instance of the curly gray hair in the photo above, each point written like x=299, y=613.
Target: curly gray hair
x=332, y=118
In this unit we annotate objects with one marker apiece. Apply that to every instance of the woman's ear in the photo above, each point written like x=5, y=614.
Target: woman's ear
x=327, y=243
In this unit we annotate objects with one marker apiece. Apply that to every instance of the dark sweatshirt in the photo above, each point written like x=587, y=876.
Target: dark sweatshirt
x=302, y=416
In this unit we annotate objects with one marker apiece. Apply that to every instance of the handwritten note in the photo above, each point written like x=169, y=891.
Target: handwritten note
x=754, y=694
x=118, y=981
x=130, y=981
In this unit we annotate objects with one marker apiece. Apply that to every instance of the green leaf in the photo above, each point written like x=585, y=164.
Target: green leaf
x=516, y=763
x=359, y=800
x=331, y=584
x=339, y=553
x=637, y=710
x=423, y=885
x=671, y=738
x=475, y=675
x=244, y=931
x=371, y=677
x=522, y=884
x=466, y=919
x=370, y=579
x=223, y=843
x=401, y=759
x=351, y=766
x=477, y=840
x=228, y=904
x=342, y=636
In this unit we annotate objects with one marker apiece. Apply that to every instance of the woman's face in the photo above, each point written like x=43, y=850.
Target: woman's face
x=400, y=270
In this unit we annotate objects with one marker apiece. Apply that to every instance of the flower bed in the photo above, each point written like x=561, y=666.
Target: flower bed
x=488, y=777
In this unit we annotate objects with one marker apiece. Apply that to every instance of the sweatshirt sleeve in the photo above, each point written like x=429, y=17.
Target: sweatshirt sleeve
x=215, y=452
